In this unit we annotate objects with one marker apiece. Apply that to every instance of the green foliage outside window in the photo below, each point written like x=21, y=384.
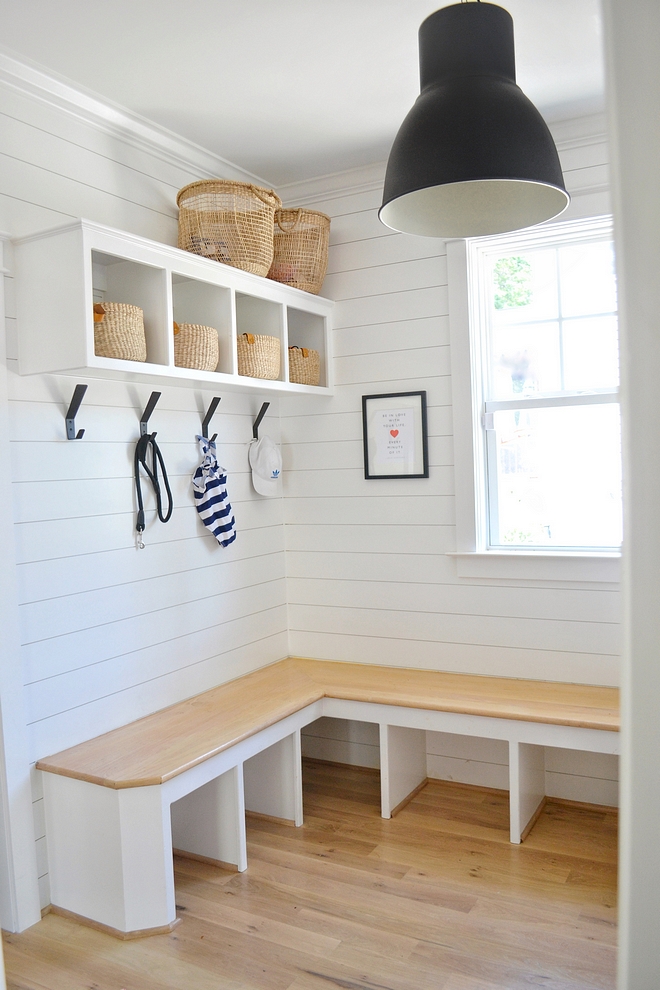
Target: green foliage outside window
x=512, y=277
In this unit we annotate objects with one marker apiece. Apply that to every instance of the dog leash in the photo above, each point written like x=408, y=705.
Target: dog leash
x=145, y=444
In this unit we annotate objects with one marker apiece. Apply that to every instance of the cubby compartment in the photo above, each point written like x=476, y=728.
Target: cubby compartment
x=117, y=280
x=62, y=273
x=207, y=305
x=309, y=330
x=261, y=317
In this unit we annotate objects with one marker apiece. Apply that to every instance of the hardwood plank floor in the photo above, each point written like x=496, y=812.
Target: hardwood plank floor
x=435, y=899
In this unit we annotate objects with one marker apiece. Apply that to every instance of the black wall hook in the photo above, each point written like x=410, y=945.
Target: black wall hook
x=257, y=422
x=73, y=412
x=207, y=419
x=149, y=408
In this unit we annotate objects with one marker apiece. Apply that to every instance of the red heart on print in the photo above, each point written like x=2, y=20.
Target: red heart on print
x=394, y=433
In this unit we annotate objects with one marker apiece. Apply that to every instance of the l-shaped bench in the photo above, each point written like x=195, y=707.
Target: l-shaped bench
x=182, y=778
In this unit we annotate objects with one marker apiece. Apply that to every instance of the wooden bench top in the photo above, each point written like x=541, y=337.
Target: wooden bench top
x=160, y=746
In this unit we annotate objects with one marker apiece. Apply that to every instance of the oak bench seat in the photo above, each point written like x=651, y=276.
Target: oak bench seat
x=117, y=803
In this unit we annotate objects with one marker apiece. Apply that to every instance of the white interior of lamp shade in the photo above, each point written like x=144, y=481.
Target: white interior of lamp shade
x=474, y=209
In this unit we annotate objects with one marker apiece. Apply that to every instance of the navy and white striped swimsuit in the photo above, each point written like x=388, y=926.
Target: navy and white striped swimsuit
x=211, y=499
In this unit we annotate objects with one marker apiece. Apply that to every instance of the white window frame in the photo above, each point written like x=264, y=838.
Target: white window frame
x=473, y=557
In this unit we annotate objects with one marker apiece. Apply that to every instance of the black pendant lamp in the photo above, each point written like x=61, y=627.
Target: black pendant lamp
x=474, y=156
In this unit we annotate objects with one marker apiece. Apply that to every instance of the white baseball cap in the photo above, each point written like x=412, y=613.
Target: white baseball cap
x=266, y=464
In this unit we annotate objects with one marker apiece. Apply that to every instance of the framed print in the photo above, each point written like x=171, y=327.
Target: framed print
x=395, y=435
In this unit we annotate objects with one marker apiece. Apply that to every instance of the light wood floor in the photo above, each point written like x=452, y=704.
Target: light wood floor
x=436, y=899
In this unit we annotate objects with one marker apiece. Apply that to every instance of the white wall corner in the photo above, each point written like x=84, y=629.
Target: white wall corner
x=19, y=889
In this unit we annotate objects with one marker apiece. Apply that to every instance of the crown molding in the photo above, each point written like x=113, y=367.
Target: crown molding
x=55, y=91
x=578, y=132
x=354, y=180
x=572, y=132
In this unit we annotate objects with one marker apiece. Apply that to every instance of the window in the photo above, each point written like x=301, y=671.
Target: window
x=535, y=378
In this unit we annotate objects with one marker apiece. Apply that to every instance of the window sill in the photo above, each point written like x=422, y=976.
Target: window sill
x=539, y=565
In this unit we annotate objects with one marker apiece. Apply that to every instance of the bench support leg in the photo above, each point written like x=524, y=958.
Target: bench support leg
x=402, y=766
x=526, y=787
x=210, y=822
x=110, y=854
x=273, y=781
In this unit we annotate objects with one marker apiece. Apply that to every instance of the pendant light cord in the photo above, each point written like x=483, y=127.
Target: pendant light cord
x=145, y=444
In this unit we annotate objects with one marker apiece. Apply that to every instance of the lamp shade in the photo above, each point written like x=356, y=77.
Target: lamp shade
x=474, y=156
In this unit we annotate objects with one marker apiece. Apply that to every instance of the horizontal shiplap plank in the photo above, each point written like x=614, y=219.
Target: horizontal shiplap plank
x=266, y=644
x=394, y=537
x=360, y=225
x=107, y=423
x=348, y=455
x=39, y=818
x=555, y=636
x=341, y=204
x=95, y=680
x=42, y=462
x=81, y=535
x=587, y=790
x=346, y=729
x=384, y=367
x=341, y=751
x=467, y=747
x=133, y=396
x=48, y=151
x=435, y=598
x=580, y=763
x=38, y=186
x=408, y=335
x=583, y=156
x=39, y=580
x=475, y=772
x=348, y=402
x=61, y=614
x=19, y=218
x=491, y=660
x=593, y=176
x=127, y=652
x=386, y=510
x=339, y=482
x=400, y=568
x=403, y=276
x=40, y=118
x=352, y=256
x=56, y=500
x=392, y=307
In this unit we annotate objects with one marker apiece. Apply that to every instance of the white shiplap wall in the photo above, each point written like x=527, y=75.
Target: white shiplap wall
x=368, y=578
x=110, y=633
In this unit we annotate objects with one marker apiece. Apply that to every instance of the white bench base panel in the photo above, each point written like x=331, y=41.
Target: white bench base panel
x=110, y=851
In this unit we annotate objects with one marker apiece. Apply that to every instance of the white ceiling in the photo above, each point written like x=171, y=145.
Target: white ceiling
x=290, y=89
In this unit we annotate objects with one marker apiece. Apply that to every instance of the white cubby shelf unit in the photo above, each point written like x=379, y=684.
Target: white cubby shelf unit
x=61, y=273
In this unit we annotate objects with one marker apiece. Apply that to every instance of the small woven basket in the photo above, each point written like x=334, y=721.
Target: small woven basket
x=119, y=331
x=196, y=346
x=304, y=366
x=229, y=221
x=300, y=249
x=258, y=356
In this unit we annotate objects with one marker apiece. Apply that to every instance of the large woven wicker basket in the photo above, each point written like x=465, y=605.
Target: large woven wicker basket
x=258, y=356
x=196, y=346
x=304, y=366
x=229, y=221
x=119, y=331
x=300, y=251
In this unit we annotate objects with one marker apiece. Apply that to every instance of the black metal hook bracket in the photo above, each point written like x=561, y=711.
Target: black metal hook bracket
x=72, y=412
x=257, y=422
x=207, y=419
x=149, y=408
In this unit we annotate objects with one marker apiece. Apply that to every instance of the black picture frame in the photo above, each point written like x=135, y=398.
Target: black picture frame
x=395, y=436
